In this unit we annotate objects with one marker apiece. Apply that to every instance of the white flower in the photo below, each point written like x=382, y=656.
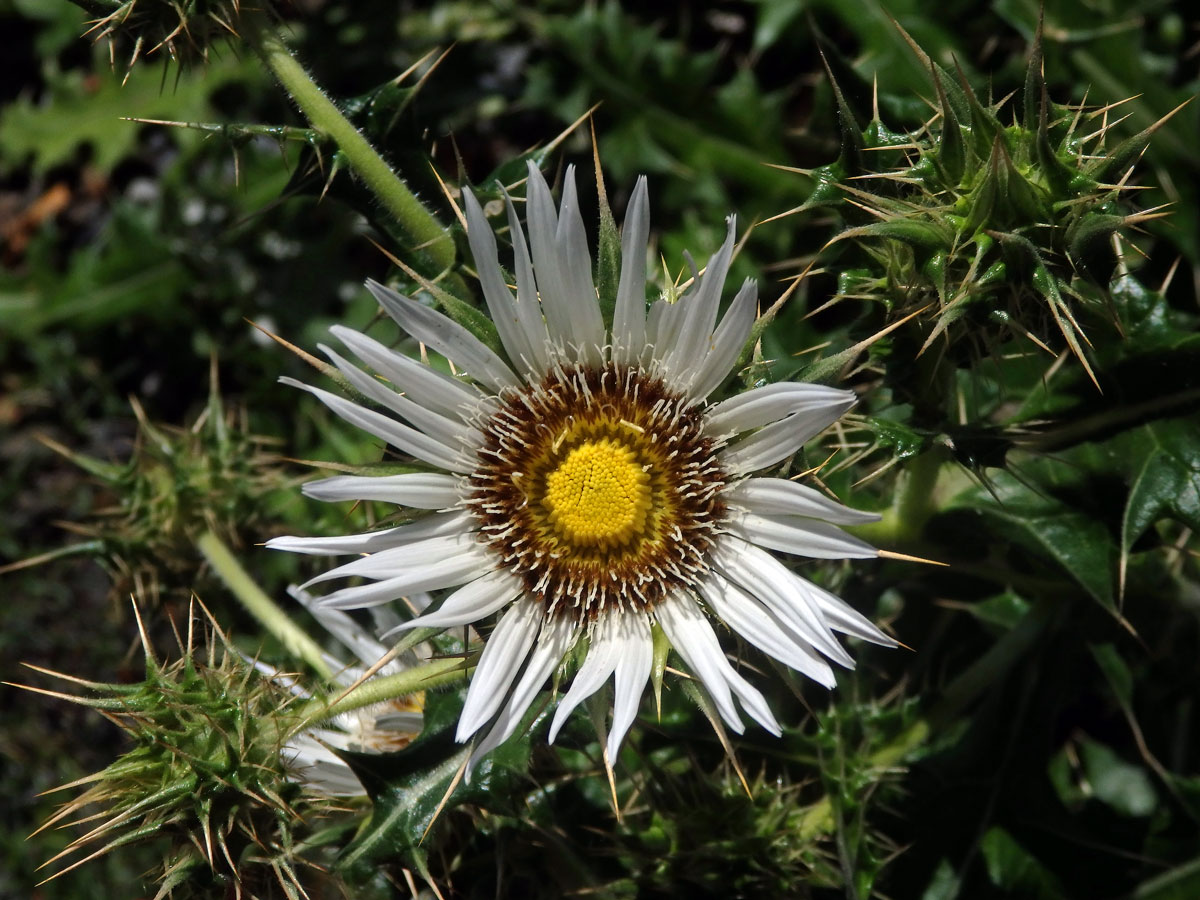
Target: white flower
x=585, y=485
x=379, y=728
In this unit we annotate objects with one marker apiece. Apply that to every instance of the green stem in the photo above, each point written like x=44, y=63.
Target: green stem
x=915, y=496
x=323, y=114
x=433, y=674
x=259, y=605
x=914, y=504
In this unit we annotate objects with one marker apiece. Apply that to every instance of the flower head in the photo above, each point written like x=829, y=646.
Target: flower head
x=380, y=728
x=582, y=485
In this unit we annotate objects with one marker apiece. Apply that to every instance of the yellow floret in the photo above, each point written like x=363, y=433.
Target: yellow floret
x=598, y=495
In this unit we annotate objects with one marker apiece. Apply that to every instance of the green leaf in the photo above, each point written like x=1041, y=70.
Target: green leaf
x=1003, y=611
x=1166, y=481
x=1011, y=867
x=1046, y=526
x=1121, y=785
x=89, y=111
x=411, y=789
x=917, y=233
x=1180, y=883
x=1119, y=678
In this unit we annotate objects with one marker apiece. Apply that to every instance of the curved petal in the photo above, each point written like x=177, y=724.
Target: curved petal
x=693, y=638
x=446, y=337
x=762, y=628
x=529, y=310
x=842, y=617
x=800, y=537
x=576, y=258
x=449, y=572
x=470, y=603
x=506, y=649
x=560, y=246
x=402, y=437
x=772, y=444
x=763, y=405
x=443, y=393
x=374, y=541
x=779, y=496
x=418, y=490
x=727, y=343
x=552, y=644
x=629, y=316
x=449, y=431
x=633, y=671
x=691, y=319
x=499, y=298
x=399, y=560
x=765, y=578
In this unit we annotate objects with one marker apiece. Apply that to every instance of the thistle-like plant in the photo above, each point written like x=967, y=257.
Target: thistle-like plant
x=994, y=220
x=206, y=772
x=185, y=30
x=177, y=484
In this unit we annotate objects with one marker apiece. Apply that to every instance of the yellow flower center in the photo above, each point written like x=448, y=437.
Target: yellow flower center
x=599, y=495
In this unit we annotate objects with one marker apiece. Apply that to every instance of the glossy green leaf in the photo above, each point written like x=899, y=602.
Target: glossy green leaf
x=1165, y=480
x=1081, y=546
x=411, y=789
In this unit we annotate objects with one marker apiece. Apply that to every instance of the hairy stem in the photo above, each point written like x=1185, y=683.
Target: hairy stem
x=426, y=232
x=259, y=605
x=433, y=674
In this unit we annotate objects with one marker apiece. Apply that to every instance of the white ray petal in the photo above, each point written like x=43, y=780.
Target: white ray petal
x=771, y=444
x=506, y=649
x=772, y=402
x=634, y=661
x=654, y=316
x=398, y=560
x=427, y=386
x=349, y=633
x=778, y=496
x=762, y=628
x=374, y=541
x=418, y=490
x=470, y=603
x=449, y=572
x=399, y=435
x=693, y=639
x=727, y=343
x=542, y=223
x=765, y=578
x=842, y=617
x=446, y=337
x=800, y=537
x=551, y=645
x=696, y=313
x=495, y=292
x=704, y=655
x=629, y=316
x=576, y=269
x=602, y=657
x=449, y=431
x=529, y=310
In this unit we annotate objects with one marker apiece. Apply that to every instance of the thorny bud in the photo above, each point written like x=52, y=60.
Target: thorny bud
x=183, y=30
x=206, y=772
x=177, y=484
x=1010, y=229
